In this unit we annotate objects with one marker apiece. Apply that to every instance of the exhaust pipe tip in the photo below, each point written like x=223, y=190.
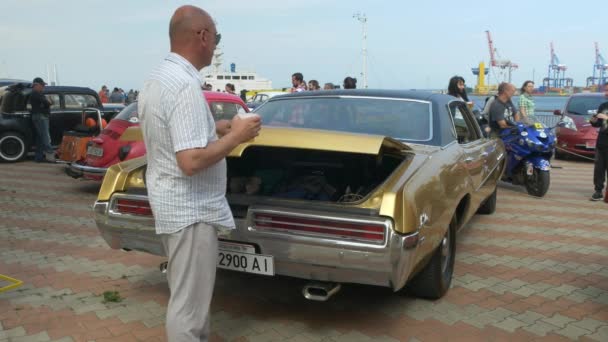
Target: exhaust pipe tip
x=320, y=291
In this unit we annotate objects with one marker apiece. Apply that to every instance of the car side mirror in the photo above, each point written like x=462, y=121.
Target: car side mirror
x=557, y=112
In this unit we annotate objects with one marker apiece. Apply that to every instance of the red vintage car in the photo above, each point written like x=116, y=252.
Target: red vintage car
x=107, y=149
x=578, y=136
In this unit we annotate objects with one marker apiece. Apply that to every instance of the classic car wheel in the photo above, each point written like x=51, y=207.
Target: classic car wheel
x=489, y=205
x=435, y=279
x=538, y=183
x=12, y=147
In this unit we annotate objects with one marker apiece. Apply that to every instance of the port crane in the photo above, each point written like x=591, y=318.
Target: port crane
x=556, y=76
x=600, y=68
x=498, y=63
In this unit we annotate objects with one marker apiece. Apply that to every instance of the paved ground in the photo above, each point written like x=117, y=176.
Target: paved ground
x=535, y=270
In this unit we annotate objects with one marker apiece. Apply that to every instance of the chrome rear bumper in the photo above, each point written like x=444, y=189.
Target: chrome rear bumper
x=389, y=263
x=78, y=170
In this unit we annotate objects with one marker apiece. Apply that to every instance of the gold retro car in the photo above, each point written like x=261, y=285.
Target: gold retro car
x=342, y=186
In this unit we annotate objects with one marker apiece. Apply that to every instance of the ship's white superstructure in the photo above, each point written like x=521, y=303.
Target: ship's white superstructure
x=217, y=76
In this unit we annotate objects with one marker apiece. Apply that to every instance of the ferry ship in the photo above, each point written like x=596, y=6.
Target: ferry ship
x=217, y=76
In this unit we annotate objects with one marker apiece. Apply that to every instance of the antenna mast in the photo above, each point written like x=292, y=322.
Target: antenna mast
x=363, y=20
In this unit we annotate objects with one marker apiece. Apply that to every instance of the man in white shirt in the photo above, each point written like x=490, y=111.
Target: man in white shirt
x=186, y=173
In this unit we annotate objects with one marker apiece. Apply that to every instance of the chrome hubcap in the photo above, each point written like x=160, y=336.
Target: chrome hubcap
x=445, y=251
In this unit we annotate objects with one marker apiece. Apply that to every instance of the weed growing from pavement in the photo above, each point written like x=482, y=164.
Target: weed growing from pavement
x=111, y=297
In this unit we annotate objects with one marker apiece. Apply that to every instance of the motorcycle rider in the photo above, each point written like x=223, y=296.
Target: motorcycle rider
x=502, y=112
x=600, y=170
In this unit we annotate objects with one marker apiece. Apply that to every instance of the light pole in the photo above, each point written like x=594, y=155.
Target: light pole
x=363, y=20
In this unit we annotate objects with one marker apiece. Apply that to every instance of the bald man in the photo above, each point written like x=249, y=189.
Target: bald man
x=186, y=173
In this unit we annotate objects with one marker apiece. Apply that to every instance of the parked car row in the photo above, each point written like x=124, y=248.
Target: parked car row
x=16, y=129
x=111, y=147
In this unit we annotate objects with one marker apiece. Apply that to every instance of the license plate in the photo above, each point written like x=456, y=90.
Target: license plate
x=241, y=257
x=95, y=151
x=530, y=170
x=590, y=144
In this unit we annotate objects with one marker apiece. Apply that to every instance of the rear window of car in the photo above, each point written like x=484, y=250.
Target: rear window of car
x=129, y=113
x=225, y=110
x=402, y=119
x=585, y=105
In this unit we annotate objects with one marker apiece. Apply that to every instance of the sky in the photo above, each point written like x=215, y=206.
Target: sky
x=410, y=44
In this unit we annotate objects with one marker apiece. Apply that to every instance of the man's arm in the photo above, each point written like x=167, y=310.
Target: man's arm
x=192, y=161
x=503, y=124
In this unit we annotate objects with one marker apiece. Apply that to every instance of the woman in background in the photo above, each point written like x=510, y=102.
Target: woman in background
x=526, y=102
x=457, y=89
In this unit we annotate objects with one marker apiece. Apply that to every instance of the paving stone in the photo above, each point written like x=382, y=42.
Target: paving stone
x=510, y=324
x=601, y=334
x=573, y=332
x=40, y=337
x=589, y=324
x=11, y=333
x=558, y=320
x=541, y=328
x=529, y=317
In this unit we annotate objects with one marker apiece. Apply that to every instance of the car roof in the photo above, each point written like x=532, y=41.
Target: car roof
x=443, y=127
x=216, y=95
x=590, y=95
x=401, y=94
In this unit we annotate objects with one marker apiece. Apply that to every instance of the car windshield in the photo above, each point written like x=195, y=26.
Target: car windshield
x=401, y=119
x=585, y=105
x=129, y=113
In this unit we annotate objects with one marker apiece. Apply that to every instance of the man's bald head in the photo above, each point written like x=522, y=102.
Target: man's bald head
x=185, y=20
x=193, y=35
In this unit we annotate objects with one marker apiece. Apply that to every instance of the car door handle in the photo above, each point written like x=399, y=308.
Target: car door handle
x=485, y=154
x=469, y=160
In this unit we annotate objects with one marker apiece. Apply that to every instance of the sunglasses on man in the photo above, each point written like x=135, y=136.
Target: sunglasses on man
x=218, y=36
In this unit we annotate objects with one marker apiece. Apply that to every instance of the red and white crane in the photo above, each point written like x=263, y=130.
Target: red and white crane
x=497, y=62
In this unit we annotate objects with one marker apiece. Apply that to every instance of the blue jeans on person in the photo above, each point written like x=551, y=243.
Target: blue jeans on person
x=43, y=138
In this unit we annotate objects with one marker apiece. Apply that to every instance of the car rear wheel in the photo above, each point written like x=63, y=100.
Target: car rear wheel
x=12, y=147
x=435, y=279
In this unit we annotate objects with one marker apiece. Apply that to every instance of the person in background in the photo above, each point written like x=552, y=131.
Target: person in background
x=502, y=112
x=40, y=112
x=186, y=172
x=313, y=85
x=526, y=102
x=103, y=94
x=600, y=167
x=130, y=96
x=328, y=86
x=116, y=96
x=457, y=88
x=298, y=83
x=230, y=88
x=350, y=83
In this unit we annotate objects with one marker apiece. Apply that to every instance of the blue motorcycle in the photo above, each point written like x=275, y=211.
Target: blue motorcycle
x=529, y=148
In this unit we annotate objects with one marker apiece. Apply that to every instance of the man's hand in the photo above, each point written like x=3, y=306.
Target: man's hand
x=245, y=129
x=222, y=127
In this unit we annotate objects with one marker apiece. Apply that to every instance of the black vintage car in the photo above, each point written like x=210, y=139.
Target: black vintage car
x=16, y=129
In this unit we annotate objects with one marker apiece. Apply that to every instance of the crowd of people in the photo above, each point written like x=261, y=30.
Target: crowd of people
x=299, y=84
x=118, y=95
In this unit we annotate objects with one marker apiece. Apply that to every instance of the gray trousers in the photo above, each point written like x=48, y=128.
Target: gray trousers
x=192, y=254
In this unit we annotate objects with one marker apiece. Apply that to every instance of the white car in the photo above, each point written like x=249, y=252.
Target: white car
x=262, y=97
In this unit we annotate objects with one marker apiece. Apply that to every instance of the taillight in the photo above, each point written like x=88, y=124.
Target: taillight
x=133, y=207
x=340, y=229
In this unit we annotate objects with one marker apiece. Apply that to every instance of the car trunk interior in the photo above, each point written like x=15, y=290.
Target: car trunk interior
x=310, y=175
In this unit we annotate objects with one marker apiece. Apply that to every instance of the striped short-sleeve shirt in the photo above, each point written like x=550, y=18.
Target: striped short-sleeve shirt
x=174, y=117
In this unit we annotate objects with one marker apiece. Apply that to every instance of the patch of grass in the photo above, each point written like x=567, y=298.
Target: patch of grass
x=112, y=297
